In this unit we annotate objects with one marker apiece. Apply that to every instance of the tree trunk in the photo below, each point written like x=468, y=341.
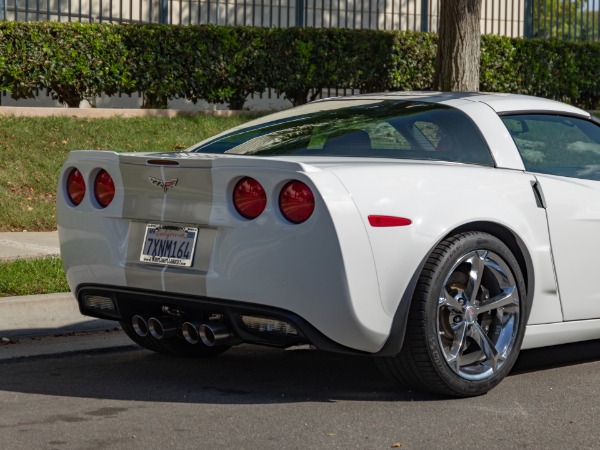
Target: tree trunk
x=458, y=52
x=237, y=100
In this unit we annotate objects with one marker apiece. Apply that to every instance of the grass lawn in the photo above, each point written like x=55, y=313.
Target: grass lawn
x=32, y=150
x=32, y=276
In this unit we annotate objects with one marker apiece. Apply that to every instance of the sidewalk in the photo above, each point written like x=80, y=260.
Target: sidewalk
x=40, y=315
x=28, y=245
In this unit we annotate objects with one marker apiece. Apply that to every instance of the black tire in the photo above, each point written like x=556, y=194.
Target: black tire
x=466, y=321
x=175, y=346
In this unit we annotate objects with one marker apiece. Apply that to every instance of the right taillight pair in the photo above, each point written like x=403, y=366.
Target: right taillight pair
x=296, y=200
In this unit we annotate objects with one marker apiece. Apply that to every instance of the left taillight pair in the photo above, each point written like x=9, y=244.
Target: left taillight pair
x=104, y=187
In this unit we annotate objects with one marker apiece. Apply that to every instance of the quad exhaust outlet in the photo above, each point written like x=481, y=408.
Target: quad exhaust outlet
x=210, y=334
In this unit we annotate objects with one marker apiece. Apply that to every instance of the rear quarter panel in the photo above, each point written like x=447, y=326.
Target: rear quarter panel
x=439, y=198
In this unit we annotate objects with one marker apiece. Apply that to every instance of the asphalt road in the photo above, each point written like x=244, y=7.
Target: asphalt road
x=119, y=396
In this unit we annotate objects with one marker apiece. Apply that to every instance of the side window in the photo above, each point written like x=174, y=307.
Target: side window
x=557, y=145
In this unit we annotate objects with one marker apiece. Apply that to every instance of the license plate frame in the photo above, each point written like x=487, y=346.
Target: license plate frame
x=169, y=245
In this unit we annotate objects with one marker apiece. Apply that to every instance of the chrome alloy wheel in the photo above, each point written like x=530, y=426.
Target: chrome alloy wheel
x=478, y=314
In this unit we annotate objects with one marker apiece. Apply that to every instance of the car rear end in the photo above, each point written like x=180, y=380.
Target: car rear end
x=187, y=244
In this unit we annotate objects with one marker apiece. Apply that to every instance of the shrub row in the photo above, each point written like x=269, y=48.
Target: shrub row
x=225, y=64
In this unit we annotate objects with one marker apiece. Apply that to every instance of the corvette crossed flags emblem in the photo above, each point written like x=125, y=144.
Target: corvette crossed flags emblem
x=165, y=185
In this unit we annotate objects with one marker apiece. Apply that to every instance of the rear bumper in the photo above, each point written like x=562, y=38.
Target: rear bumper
x=131, y=302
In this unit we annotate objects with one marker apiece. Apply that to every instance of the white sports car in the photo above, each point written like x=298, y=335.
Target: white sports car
x=438, y=233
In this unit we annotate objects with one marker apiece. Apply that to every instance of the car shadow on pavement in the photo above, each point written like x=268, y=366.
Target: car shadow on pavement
x=243, y=375
x=557, y=356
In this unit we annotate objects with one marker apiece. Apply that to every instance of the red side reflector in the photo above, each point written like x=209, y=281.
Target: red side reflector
x=163, y=162
x=389, y=221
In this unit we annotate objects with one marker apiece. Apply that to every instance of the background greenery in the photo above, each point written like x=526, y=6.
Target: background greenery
x=32, y=151
x=77, y=61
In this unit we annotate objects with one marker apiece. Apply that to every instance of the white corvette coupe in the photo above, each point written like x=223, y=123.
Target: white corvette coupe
x=437, y=233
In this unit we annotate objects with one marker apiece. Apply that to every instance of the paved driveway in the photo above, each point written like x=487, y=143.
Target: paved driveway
x=124, y=397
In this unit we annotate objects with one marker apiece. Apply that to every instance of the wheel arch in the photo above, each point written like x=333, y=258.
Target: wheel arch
x=512, y=240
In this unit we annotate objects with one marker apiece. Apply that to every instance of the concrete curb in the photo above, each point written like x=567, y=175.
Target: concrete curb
x=45, y=315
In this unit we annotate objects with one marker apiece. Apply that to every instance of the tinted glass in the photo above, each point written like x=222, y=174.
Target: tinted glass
x=385, y=129
x=557, y=145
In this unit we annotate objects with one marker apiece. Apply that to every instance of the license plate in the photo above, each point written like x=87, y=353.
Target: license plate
x=171, y=246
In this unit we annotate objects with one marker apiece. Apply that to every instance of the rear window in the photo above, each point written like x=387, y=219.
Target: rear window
x=381, y=128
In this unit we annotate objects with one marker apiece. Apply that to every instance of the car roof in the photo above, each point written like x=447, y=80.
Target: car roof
x=499, y=102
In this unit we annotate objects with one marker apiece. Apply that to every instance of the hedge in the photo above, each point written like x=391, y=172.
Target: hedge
x=73, y=61
x=77, y=61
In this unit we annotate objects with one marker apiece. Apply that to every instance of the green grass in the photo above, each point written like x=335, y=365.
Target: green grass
x=32, y=150
x=32, y=276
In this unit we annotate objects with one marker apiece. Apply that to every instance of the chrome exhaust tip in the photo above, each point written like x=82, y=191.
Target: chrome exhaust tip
x=214, y=334
x=140, y=326
x=190, y=332
x=162, y=328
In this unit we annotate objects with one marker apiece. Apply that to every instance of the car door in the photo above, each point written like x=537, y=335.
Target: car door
x=563, y=153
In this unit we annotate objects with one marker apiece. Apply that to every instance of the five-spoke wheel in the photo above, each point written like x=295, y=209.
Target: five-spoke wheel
x=478, y=314
x=466, y=321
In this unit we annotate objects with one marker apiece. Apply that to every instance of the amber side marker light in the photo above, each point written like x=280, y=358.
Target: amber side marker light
x=75, y=187
x=388, y=221
x=104, y=188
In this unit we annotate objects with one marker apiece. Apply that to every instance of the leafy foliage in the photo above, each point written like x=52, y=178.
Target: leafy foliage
x=304, y=61
x=229, y=63
x=74, y=61
x=21, y=59
x=158, y=62
x=561, y=70
x=414, y=60
x=497, y=69
x=226, y=64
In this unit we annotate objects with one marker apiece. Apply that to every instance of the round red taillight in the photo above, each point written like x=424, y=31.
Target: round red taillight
x=249, y=198
x=75, y=187
x=296, y=202
x=104, y=188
